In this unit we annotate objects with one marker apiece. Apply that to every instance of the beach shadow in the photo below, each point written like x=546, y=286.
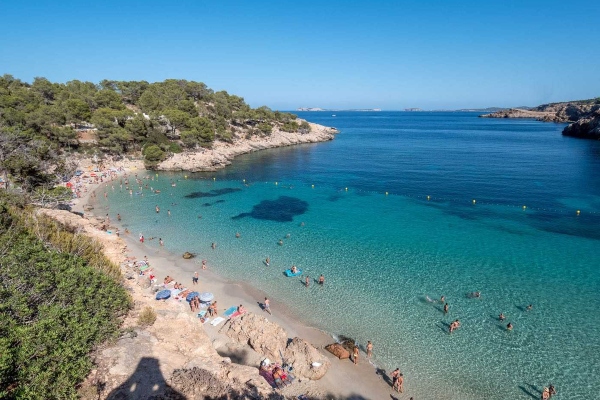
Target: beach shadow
x=444, y=327
x=237, y=356
x=521, y=308
x=527, y=392
x=534, y=388
x=381, y=372
x=146, y=382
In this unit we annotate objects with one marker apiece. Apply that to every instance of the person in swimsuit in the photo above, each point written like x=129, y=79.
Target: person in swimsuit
x=509, y=327
x=321, y=279
x=395, y=374
x=446, y=308
x=501, y=317
x=307, y=281
x=355, y=355
x=195, y=278
x=294, y=269
x=267, y=306
x=268, y=261
x=369, y=349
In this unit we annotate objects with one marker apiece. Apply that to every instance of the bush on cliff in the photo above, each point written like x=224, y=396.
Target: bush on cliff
x=55, y=308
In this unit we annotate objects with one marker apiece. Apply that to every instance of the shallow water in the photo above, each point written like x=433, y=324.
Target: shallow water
x=383, y=254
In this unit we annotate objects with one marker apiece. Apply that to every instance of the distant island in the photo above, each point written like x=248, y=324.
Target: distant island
x=331, y=109
x=583, y=116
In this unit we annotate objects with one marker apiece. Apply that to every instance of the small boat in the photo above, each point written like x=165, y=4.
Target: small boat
x=289, y=273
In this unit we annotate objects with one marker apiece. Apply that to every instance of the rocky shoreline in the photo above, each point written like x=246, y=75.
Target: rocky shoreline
x=222, y=153
x=583, y=116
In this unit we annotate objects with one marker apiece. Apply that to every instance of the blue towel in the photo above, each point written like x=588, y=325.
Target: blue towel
x=230, y=311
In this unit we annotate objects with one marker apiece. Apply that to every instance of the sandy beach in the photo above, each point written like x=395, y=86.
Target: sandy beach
x=342, y=380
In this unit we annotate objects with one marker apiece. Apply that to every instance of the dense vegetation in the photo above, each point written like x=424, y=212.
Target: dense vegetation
x=59, y=298
x=39, y=122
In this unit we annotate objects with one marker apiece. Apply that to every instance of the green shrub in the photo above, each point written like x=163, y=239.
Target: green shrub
x=55, y=308
x=147, y=317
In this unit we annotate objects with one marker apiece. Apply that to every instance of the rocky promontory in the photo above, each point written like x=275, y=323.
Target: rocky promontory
x=222, y=153
x=583, y=115
x=586, y=128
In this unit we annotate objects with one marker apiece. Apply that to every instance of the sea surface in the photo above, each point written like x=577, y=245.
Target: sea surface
x=400, y=209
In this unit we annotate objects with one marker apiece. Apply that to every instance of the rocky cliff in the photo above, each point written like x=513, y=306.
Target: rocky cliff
x=587, y=127
x=583, y=116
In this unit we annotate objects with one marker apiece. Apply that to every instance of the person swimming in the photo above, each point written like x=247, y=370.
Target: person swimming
x=294, y=269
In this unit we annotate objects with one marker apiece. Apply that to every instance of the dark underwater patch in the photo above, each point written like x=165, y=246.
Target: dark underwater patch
x=212, y=193
x=284, y=209
x=206, y=204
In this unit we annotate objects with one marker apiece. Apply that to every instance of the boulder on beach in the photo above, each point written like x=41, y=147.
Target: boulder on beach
x=338, y=350
x=266, y=338
x=308, y=362
x=187, y=255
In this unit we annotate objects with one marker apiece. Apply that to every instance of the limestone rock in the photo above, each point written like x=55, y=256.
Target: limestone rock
x=308, y=362
x=143, y=282
x=187, y=255
x=266, y=338
x=585, y=128
x=338, y=350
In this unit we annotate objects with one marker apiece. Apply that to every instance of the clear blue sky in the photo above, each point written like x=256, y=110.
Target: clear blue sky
x=331, y=54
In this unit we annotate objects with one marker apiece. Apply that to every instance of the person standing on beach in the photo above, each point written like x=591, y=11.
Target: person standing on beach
x=267, y=306
x=355, y=355
x=400, y=383
x=195, y=278
x=395, y=374
x=369, y=349
x=118, y=217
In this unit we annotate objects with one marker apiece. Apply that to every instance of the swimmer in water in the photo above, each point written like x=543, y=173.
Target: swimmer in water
x=446, y=308
x=288, y=236
x=529, y=307
x=237, y=235
x=501, y=317
x=509, y=327
x=307, y=281
x=213, y=245
x=268, y=261
x=280, y=242
x=157, y=209
x=321, y=280
x=294, y=269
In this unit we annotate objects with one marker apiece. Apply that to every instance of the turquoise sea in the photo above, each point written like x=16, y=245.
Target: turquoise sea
x=383, y=254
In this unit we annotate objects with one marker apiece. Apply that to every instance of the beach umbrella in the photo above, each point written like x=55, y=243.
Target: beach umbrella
x=163, y=295
x=205, y=297
x=190, y=296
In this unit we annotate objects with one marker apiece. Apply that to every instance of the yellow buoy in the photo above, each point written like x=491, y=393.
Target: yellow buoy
x=243, y=180
x=474, y=201
x=276, y=183
x=428, y=197
x=313, y=186
x=185, y=176
x=386, y=193
x=214, y=179
x=578, y=212
x=346, y=189
x=524, y=207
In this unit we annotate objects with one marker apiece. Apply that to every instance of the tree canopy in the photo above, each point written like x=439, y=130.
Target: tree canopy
x=43, y=119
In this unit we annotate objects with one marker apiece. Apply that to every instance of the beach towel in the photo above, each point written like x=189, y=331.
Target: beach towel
x=230, y=311
x=201, y=314
x=237, y=314
x=217, y=321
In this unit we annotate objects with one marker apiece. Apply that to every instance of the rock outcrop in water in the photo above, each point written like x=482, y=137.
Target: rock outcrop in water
x=583, y=114
x=586, y=128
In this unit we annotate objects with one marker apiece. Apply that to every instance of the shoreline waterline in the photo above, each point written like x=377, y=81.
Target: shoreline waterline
x=342, y=378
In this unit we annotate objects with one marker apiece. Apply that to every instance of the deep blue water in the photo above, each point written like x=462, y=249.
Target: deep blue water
x=521, y=242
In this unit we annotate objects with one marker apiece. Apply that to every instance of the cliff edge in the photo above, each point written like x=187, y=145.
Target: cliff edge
x=584, y=116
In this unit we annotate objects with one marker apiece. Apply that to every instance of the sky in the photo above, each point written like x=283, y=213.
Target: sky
x=392, y=55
